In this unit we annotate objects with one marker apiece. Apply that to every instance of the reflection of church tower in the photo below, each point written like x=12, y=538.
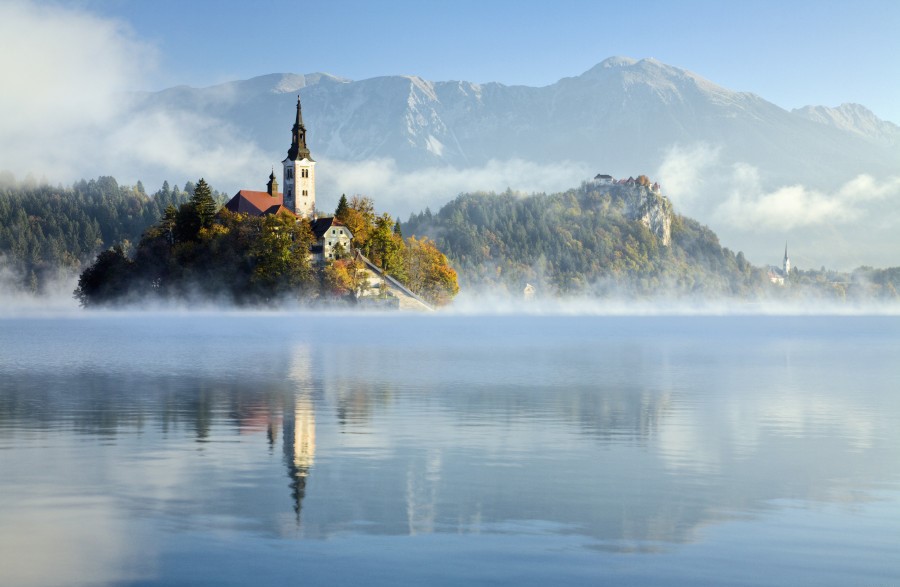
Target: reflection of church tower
x=787, y=262
x=299, y=446
x=299, y=172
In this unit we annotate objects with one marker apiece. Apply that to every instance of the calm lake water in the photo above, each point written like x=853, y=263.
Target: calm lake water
x=239, y=449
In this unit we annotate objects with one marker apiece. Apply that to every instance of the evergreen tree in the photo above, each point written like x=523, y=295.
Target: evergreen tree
x=341, y=211
x=204, y=204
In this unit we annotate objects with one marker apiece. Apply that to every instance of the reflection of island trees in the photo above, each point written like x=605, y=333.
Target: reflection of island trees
x=357, y=399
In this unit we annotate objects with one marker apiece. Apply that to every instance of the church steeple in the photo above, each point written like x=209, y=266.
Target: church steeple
x=299, y=172
x=787, y=262
x=298, y=148
x=272, y=186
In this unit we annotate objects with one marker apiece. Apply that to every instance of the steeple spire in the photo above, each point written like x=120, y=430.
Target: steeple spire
x=787, y=262
x=272, y=186
x=298, y=148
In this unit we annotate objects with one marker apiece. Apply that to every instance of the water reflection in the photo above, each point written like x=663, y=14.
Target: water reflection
x=634, y=441
x=299, y=446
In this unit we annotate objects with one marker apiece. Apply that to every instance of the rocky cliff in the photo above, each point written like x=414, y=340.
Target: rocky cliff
x=642, y=202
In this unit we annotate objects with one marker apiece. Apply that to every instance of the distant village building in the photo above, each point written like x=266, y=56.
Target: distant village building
x=603, y=179
x=528, y=292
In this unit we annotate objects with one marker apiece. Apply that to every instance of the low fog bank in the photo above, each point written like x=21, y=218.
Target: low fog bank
x=54, y=297
x=61, y=304
x=471, y=303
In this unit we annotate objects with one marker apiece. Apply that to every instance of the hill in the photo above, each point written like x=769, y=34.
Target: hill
x=622, y=238
x=49, y=232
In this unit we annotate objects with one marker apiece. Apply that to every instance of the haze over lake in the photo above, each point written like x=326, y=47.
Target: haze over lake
x=347, y=449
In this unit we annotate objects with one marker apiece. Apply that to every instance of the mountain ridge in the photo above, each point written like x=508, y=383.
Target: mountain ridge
x=620, y=114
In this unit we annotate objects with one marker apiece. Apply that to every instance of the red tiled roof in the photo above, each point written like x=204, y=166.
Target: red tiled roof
x=255, y=203
x=277, y=209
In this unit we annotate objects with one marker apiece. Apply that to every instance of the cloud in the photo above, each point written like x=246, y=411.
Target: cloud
x=685, y=171
x=733, y=193
x=797, y=206
x=66, y=113
x=62, y=79
x=403, y=192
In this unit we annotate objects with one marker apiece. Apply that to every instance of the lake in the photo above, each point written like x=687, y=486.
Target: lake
x=229, y=448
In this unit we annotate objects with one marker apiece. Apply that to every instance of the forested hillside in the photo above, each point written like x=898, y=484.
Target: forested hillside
x=583, y=241
x=47, y=232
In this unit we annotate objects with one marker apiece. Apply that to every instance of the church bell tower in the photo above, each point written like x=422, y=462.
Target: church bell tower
x=299, y=172
x=787, y=262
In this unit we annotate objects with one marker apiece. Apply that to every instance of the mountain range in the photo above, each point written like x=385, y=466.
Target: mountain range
x=623, y=117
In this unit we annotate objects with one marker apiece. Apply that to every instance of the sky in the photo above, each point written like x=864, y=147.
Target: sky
x=792, y=53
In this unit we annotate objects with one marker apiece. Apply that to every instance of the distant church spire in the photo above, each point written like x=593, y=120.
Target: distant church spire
x=787, y=261
x=298, y=148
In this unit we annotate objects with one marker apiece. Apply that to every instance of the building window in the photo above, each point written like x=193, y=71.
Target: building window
x=289, y=173
x=332, y=231
x=304, y=193
x=305, y=173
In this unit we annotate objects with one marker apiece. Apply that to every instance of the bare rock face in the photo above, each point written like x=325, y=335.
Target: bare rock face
x=647, y=205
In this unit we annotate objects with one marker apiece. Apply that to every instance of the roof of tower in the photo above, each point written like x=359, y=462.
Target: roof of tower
x=298, y=150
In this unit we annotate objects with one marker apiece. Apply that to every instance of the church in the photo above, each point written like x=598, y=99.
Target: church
x=776, y=275
x=298, y=198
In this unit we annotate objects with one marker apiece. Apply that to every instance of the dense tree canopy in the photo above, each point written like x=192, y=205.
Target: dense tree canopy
x=582, y=242
x=47, y=231
x=577, y=242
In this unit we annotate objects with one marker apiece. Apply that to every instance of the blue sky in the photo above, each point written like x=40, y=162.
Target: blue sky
x=792, y=53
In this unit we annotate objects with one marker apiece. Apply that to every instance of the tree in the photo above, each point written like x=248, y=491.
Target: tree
x=106, y=280
x=360, y=219
x=342, y=208
x=187, y=223
x=204, y=204
x=385, y=247
x=281, y=256
x=345, y=277
x=429, y=272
